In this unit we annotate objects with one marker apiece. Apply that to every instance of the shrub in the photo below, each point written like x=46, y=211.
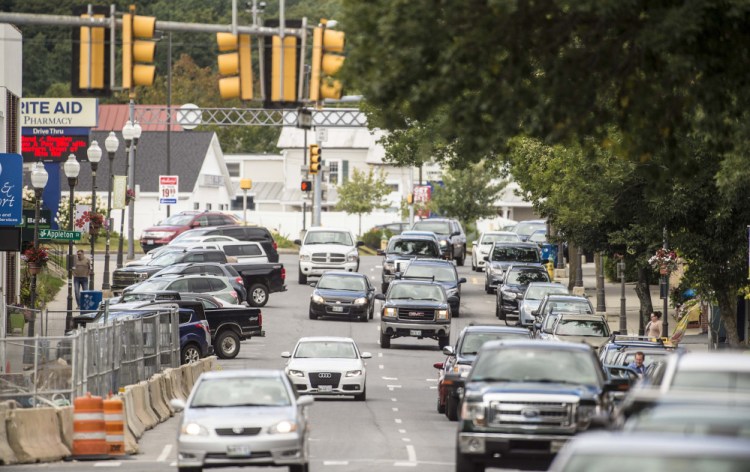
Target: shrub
x=373, y=237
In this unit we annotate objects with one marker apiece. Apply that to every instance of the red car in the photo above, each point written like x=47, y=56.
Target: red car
x=168, y=229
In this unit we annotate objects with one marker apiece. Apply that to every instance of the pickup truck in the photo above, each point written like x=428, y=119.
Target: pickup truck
x=261, y=280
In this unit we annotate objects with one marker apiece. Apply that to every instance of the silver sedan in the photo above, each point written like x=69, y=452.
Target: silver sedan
x=243, y=418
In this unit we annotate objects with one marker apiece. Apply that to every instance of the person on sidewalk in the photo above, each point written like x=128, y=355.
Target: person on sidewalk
x=637, y=364
x=81, y=272
x=654, y=327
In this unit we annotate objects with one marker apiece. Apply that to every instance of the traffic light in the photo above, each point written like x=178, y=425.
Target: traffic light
x=289, y=94
x=236, y=66
x=315, y=161
x=327, y=59
x=138, y=48
x=306, y=186
x=93, y=72
x=410, y=198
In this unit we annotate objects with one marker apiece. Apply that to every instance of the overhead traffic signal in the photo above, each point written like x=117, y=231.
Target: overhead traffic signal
x=236, y=66
x=306, y=186
x=315, y=161
x=327, y=59
x=91, y=63
x=138, y=49
x=289, y=57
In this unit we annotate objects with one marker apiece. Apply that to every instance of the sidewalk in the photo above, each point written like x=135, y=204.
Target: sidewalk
x=693, y=340
x=60, y=302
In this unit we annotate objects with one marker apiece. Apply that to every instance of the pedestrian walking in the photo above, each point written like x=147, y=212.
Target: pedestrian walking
x=654, y=327
x=81, y=272
x=637, y=364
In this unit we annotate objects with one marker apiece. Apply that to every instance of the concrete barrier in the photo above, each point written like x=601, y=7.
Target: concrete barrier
x=7, y=456
x=157, y=401
x=187, y=379
x=34, y=435
x=65, y=415
x=197, y=370
x=176, y=378
x=143, y=406
x=166, y=391
x=134, y=424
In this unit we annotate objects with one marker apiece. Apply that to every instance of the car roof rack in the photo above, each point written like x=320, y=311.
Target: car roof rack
x=416, y=277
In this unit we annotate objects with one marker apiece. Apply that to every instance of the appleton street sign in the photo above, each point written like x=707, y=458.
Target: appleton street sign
x=59, y=235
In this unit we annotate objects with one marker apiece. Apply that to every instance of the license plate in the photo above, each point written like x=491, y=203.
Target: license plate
x=337, y=309
x=415, y=332
x=325, y=388
x=238, y=451
x=149, y=241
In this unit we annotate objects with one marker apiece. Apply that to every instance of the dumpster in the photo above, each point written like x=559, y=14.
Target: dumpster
x=90, y=300
x=549, y=251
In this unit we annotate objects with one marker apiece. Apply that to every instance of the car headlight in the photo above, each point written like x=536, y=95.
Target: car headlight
x=461, y=369
x=510, y=295
x=360, y=301
x=305, y=257
x=443, y=242
x=142, y=275
x=353, y=257
x=442, y=314
x=474, y=412
x=193, y=429
x=283, y=427
x=390, y=266
x=354, y=373
x=584, y=413
x=390, y=313
x=496, y=270
x=295, y=373
x=318, y=299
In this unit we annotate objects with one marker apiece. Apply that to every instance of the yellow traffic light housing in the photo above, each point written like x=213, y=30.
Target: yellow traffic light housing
x=315, y=161
x=327, y=60
x=138, y=49
x=92, y=63
x=236, y=66
x=289, y=94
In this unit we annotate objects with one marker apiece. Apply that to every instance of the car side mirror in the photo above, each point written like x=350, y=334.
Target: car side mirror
x=379, y=296
x=286, y=354
x=486, y=258
x=462, y=280
x=313, y=284
x=177, y=404
x=455, y=233
x=305, y=400
x=538, y=326
x=380, y=252
x=371, y=289
x=360, y=243
x=366, y=355
x=438, y=365
x=298, y=242
x=535, y=312
x=448, y=350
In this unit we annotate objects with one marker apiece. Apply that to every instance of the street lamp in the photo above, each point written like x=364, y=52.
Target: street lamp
x=127, y=135
x=111, y=144
x=94, y=153
x=131, y=178
x=39, y=178
x=71, y=168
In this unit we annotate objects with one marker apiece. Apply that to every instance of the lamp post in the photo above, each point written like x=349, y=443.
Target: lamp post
x=665, y=286
x=94, y=153
x=127, y=135
x=72, y=168
x=111, y=144
x=131, y=179
x=38, y=181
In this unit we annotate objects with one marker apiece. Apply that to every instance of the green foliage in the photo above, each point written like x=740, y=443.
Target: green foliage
x=282, y=240
x=47, y=286
x=373, y=238
x=363, y=193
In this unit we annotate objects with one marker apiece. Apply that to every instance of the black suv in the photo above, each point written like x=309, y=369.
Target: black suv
x=249, y=233
x=127, y=276
x=439, y=271
x=450, y=234
x=503, y=255
x=401, y=250
x=515, y=281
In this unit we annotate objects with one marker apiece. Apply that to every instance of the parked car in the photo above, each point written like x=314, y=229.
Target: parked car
x=457, y=365
x=619, y=342
x=208, y=268
x=394, y=228
x=261, y=280
x=248, y=252
x=400, y=251
x=428, y=234
x=193, y=242
x=707, y=372
x=328, y=365
x=442, y=272
x=561, y=303
x=515, y=280
x=248, y=417
x=166, y=230
x=482, y=246
x=325, y=249
x=218, y=286
x=573, y=327
x=450, y=234
x=343, y=294
x=524, y=229
x=415, y=308
x=502, y=256
x=249, y=233
x=533, y=296
x=127, y=276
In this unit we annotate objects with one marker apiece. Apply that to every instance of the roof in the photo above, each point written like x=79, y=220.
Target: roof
x=564, y=296
x=327, y=228
x=547, y=284
x=581, y=317
x=188, y=151
x=344, y=273
x=714, y=361
x=324, y=338
x=432, y=261
x=499, y=233
x=516, y=244
x=494, y=329
x=654, y=444
x=536, y=344
x=113, y=118
x=224, y=374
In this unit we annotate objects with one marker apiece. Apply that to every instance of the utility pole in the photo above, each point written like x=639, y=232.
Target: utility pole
x=665, y=287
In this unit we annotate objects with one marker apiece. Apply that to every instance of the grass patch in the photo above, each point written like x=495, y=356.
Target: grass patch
x=283, y=241
x=47, y=286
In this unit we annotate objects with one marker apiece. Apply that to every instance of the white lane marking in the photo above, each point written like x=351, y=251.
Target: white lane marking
x=397, y=420
x=173, y=464
x=380, y=354
x=381, y=366
x=406, y=439
x=164, y=453
x=394, y=399
x=430, y=380
x=402, y=431
x=412, y=453
x=108, y=464
x=405, y=464
x=394, y=409
x=378, y=267
x=335, y=462
x=390, y=378
x=433, y=387
x=391, y=387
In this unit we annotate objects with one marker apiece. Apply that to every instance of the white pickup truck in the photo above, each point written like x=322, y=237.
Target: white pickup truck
x=325, y=249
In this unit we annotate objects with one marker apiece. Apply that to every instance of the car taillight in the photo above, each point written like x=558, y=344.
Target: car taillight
x=202, y=324
x=240, y=281
x=275, y=246
x=234, y=295
x=283, y=273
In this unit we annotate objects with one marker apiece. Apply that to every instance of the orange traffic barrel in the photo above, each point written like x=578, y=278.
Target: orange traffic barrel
x=89, y=433
x=114, y=424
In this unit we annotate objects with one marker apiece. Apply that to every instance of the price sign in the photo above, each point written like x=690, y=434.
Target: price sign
x=168, y=189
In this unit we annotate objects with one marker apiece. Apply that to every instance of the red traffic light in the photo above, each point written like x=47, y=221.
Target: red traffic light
x=306, y=186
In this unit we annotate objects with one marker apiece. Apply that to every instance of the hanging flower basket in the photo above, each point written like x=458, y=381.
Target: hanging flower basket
x=33, y=268
x=664, y=260
x=129, y=196
x=36, y=258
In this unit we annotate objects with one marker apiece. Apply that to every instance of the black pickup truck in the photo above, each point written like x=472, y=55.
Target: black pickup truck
x=261, y=280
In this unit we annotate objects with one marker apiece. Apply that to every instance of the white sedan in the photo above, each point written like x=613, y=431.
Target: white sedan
x=327, y=365
x=481, y=247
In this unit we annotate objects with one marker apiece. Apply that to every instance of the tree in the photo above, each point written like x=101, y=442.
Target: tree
x=362, y=193
x=467, y=195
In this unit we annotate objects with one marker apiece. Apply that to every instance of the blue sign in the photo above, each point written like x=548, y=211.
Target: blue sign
x=167, y=201
x=11, y=187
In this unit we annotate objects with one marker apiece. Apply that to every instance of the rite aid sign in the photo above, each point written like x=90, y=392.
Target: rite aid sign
x=59, y=112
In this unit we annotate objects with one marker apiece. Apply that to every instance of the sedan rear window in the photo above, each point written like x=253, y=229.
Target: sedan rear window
x=438, y=227
x=514, y=254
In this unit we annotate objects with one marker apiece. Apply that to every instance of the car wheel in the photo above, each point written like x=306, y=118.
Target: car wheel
x=190, y=353
x=443, y=341
x=362, y=396
x=451, y=408
x=509, y=323
x=227, y=345
x=363, y=317
x=372, y=310
x=383, y=288
x=299, y=467
x=465, y=464
x=498, y=312
x=460, y=260
x=258, y=295
x=302, y=278
x=473, y=264
x=385, y=341
x=189, y=469
x=440, y=406
x=457, y=312
x=313, y=316
x=487, y=286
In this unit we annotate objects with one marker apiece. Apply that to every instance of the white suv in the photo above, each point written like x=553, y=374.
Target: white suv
x=325, y=249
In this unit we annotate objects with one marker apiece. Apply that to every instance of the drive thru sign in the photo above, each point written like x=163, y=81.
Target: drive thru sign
x=168, y=189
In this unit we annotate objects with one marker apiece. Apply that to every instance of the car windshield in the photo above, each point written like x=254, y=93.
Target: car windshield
x=626, y=358
x=582, y=328
x=729, y=381
x=573, y=306
x=536, y=365
x=177, y=220
x=341, y=282
x=525, y=229
x=441, y=274
x=413, y=247
x=526, y=276
x=240, y=391
x=501, y=238
x=166, y=258
x=514, y=254
x=653, y=462
x=437, y=227
x=536, y=292
x=327, y=349
x=404, y=291
x=473, y=341
x=329, y=237
x=538, y=237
